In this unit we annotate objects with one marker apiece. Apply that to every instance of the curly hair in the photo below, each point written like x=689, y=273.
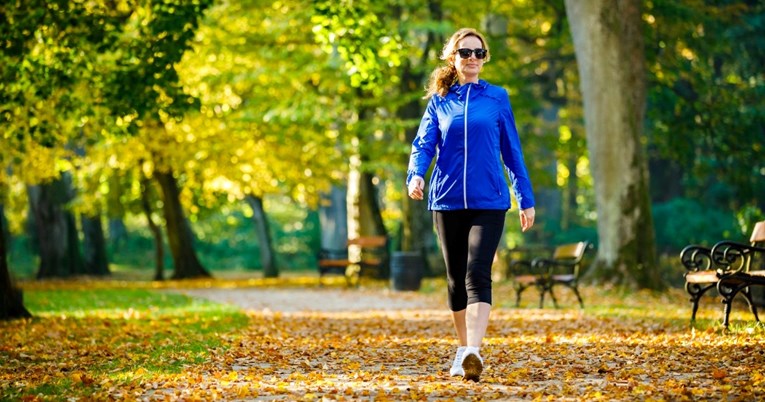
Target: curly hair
x=443, y=77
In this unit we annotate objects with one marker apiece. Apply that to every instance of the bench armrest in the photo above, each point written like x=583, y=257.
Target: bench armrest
x=523, y=267
x=696, y=258
x=549, y=266
x=730, y=256
x=547, y=262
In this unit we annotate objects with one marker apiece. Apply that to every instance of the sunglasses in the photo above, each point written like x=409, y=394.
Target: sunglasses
x=465, y=53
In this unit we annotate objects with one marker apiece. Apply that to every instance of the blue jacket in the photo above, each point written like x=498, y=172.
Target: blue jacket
x=468, y=131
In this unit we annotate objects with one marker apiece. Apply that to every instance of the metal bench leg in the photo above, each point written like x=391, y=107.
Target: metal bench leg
x=518, y=291
x=578, y=297
x=728, y=293
x=552, y=296
x=752, y=307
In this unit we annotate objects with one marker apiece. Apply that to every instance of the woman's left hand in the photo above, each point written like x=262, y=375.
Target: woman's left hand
x=527, y=218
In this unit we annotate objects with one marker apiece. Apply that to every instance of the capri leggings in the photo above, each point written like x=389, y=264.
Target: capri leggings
x=469, y=240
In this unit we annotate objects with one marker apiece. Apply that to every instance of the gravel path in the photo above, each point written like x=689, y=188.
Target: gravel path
x=315, y=300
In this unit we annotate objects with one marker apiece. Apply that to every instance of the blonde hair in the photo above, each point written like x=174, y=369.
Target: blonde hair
x=443, y=77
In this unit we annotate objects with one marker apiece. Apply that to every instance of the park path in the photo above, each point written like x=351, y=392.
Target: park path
x=292, y=300
x=336, y=344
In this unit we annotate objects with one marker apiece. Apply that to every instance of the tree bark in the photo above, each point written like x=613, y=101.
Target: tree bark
x=11, y=301
x=333, y=218
x=417, y=225
x=179, y=237
x=94, y=246
x=270, y=270
x=609, y=49
x=159, y=250
x=117, y=233
x=370, y=220
x=58, y=244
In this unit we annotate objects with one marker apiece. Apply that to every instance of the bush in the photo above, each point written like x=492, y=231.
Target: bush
x=681, y=221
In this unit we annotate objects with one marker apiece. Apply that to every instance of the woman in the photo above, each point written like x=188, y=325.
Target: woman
x=469, y=126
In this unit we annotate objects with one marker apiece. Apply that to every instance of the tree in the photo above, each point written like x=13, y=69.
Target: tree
x=608, y=39
x=145, y=93
x=706, y=80
x=11, y=301
x=47, y=59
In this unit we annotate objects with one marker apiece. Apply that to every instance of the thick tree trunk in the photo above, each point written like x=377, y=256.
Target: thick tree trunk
x=179, y=237
x=94, y=246
x=58, y=244
x=159, y=250
x=270, y=270
x=11, y=301
x=609, y=47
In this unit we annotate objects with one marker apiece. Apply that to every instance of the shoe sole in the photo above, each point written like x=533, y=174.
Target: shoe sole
x=473, y=368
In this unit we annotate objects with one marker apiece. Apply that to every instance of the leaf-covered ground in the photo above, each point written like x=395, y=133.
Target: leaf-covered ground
x=293, y=341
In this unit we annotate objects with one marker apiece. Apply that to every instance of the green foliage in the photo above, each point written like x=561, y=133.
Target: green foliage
x=355, y=31
x=48, y=56
x=145, y=83
x=683, y=221
x=705, y=100
x=286, y=93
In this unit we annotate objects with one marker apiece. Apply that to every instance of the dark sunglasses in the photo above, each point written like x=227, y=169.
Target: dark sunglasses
x=465, y=53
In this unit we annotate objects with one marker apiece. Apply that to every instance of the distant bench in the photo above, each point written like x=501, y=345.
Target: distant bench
x=373, y=256
x=562, y=268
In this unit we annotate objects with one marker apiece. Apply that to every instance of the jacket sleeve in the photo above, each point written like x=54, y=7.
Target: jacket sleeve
x=424, y=144
x=512, y=155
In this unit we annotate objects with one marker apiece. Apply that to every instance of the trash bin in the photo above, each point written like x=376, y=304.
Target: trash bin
x=406, y=270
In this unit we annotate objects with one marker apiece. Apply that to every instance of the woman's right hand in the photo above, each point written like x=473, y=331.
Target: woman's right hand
x=415, y=187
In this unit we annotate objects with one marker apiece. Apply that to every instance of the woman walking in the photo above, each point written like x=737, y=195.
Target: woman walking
x=468, y=126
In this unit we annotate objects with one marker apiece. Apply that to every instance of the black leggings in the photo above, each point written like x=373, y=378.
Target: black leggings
x=469, y=240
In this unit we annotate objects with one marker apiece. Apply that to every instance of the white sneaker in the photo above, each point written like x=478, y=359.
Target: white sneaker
x=456, y=369
x=472, y=365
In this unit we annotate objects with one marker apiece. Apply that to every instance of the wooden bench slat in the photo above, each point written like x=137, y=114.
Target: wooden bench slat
x=328, y=261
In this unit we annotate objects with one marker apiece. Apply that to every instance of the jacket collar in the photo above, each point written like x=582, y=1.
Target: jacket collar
x=461, y=90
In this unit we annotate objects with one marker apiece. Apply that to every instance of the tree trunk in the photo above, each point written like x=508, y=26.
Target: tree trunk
x=179, y=237
x=58, y=244
x=159, y=250
x=365, y=218
x=117, y=233
x=609, y=49
x=572, y=188
x=548, y=198
x=417, y=224
x=270, y=270
x=11, y=301
x=333, y=218
x=94, y=246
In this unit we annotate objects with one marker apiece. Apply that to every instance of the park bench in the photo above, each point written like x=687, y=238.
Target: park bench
x=726, y=267
x=741, y=266
x=563, y=269
x=372, y=256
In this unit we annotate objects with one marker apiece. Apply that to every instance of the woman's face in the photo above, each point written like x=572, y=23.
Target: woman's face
x=468, y=69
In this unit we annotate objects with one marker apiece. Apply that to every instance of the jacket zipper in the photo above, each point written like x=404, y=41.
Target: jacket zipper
x=464, y=165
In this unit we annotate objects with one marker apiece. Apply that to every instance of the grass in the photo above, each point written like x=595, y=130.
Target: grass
x=148, y=332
